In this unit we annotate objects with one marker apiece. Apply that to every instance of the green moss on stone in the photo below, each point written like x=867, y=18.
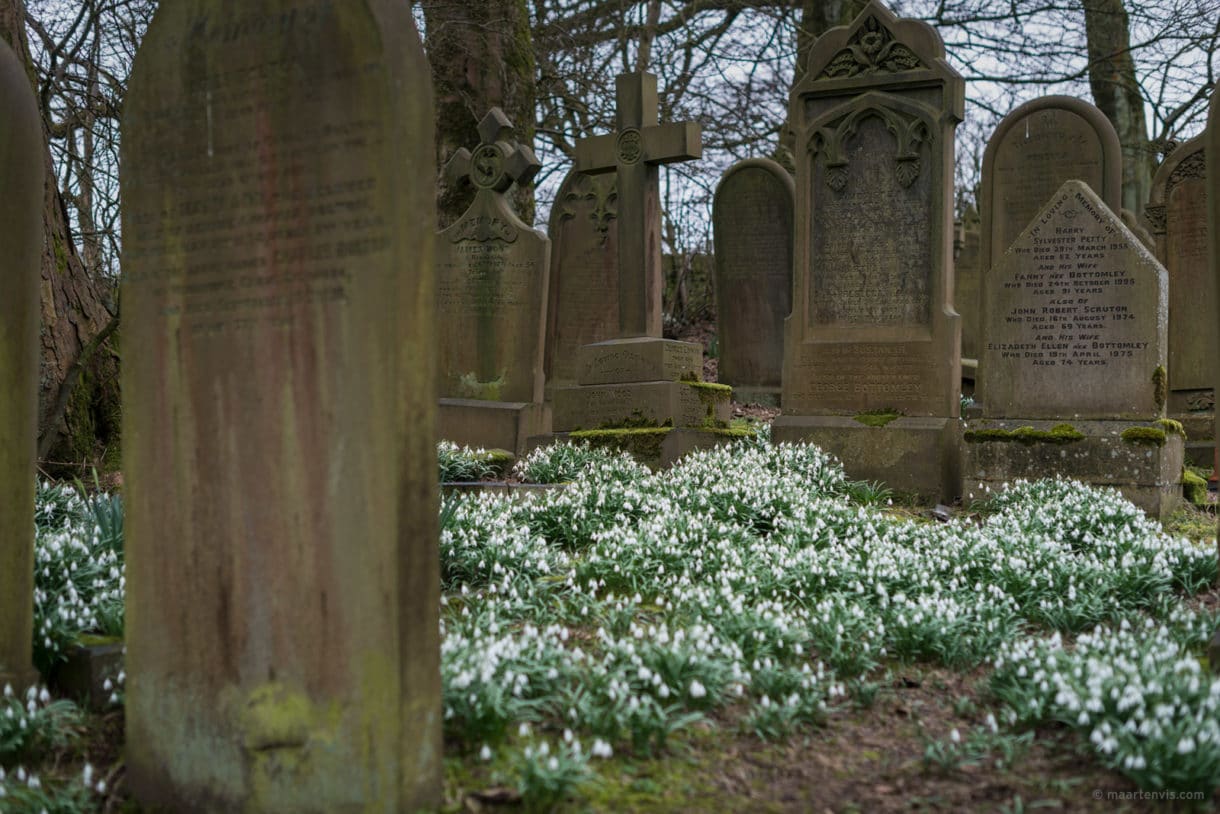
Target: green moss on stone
x=1194, y=487
x=1059, y=434
x=469, y=387
x=877, y=418
x=1160, y=387
x=1172, y=427
x=711, y=395
x=1151, y=436
x=644, y=443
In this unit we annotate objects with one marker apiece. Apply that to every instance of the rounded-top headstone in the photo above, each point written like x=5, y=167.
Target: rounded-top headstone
x=1034, y=150
x=21, y=196
x=279, y=410
x=752, y=227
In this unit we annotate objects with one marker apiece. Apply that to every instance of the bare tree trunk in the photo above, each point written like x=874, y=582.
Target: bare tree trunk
x=78, y=399
x=482, y=56
x=818, y=17
x=1117, y=93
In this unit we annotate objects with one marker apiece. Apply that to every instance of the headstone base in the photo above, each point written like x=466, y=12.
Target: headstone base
x=639, y=359
x=491, y=424
x=642, y=405
x=762, y=396
x=655, y=447
x=916, y=455
x=1145, y=465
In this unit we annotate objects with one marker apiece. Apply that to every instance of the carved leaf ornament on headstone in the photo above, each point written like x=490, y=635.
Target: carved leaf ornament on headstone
x=909, y=132
x=604, y=199
x=872, y=50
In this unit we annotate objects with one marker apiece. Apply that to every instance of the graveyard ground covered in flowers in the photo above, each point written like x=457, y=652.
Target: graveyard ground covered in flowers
x=748, y=630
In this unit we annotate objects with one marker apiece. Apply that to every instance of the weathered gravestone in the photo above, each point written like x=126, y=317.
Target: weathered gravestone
x=279, y=387
x=871, y=359
x=1033, y=151
x=21, y=193
x=1212, y=146
x=583, y=291
x=639, y=390
x=967, y=286
x=1177, y=213
x=752, y=229
x=491, y=282
x=1073, y=362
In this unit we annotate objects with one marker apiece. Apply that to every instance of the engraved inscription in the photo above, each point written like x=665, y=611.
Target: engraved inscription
x=259, y=233
x=871, y=260
x=1073, y=318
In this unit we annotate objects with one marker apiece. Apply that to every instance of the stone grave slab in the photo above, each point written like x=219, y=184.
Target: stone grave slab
x=492, y=274
x=872, y=327
x=1073, y=365
x=583, y=292
x=1177, y=214
x=752, y=215
x=21, y=197
x=279, y=389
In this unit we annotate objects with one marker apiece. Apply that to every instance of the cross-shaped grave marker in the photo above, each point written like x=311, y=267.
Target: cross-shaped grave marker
x=634, y=153
x=496, y=163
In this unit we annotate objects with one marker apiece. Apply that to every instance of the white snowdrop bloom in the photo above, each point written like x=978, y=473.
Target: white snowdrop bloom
x=1186, y=745
x=523, y=730
x=697, y=690
x=485, y=753
x=955, y=736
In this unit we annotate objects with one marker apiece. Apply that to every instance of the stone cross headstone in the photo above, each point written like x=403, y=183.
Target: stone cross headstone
x=492, y=274
x=1073, y=359
x=752, y=229
x=1177, y=213
x=1033, y=151
x=583, y=293
x=634, y=153
x=1076, y=317
x=279, y=388
x=638, y=379
x=21, y=197
x=492, y=277
x=872, y=330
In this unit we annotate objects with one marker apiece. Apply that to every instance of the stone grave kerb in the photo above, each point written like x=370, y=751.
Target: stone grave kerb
x=634, y=153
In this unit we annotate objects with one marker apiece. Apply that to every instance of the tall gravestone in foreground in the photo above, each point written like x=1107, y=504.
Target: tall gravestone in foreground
x=279, y=387
x=21, y=191
x=1212, y=147
x=1177, y=213
x=583, y=292
x=752, y=228
x=871, y=362
x=1073, y=362
x=639, y=390
x=1033, y=151
x=491, y=281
